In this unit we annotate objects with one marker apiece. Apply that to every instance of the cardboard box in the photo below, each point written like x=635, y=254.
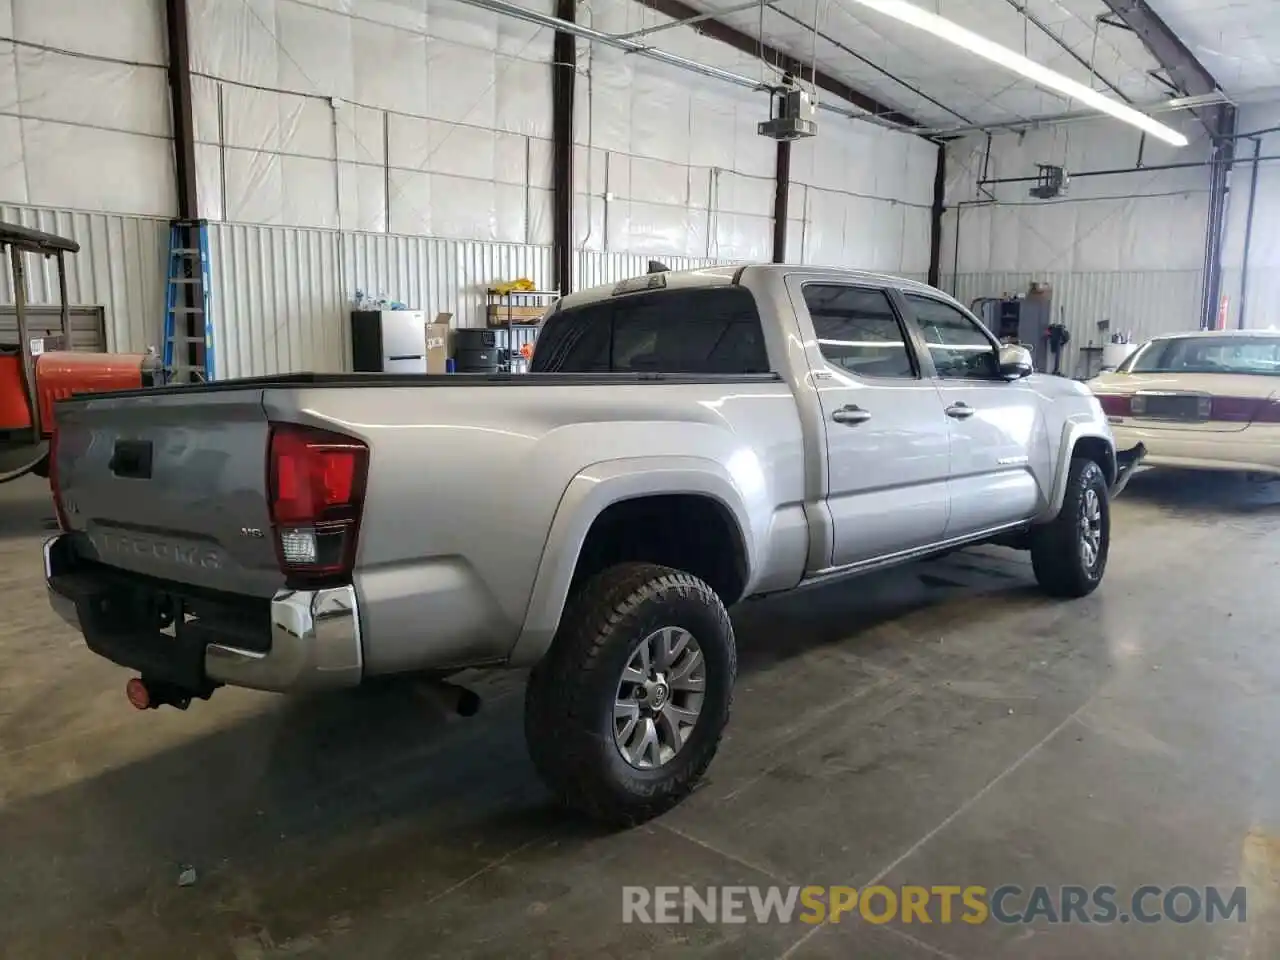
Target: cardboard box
x=438, y=344
x=501, y=314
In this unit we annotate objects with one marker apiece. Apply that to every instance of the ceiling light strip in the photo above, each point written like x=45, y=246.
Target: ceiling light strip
x=1041, y=75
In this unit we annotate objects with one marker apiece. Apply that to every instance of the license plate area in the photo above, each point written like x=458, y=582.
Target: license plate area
x=1178, y=407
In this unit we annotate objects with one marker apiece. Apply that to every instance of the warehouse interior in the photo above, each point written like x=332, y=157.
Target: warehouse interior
x=938, y=724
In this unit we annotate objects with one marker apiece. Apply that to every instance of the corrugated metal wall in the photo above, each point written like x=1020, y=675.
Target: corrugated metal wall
x=439, y=275
x=120, y=267
x=592, y=269
x=281, y=295
x=278, y=300
x=1141, y=303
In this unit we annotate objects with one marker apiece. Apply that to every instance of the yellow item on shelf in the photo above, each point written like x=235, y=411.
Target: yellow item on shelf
x=523, y=285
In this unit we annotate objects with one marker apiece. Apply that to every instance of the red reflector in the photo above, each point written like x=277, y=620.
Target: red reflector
x=1267, y=412
x=138, y=693
x=1114, y=404
x=1234, y=409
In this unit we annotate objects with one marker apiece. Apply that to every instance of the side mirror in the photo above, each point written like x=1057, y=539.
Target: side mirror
x=1015, y=362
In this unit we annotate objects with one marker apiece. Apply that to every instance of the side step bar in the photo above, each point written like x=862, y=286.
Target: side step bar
x=1127, y=462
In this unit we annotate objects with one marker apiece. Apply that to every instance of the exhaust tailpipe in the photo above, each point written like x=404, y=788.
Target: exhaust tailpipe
x=450, y=697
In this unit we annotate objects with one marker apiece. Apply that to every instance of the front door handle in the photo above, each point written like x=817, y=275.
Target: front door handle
x=960, y=411
x=851, y=415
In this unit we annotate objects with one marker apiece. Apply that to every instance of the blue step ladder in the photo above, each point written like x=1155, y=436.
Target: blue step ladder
x=189, y=356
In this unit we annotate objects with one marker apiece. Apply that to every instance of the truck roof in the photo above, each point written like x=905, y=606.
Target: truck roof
x=729, y=273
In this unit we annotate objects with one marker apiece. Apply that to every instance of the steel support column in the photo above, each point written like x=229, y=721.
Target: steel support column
x=1248, y=236
x=781, y=196
x=1224, y=149
x=184, y=138
x=564, y=72
x=935, y=218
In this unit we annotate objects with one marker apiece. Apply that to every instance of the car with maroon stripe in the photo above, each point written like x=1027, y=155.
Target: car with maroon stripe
x=1203, y=400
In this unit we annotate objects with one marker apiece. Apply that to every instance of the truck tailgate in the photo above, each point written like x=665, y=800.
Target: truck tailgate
x=171, y=485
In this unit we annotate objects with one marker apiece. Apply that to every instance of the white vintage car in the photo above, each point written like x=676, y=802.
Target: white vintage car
x=1207, y=400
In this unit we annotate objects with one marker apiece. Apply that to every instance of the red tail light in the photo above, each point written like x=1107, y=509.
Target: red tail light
x=59, y=510
x=1266, y=411
x=316, y=482
x=1114, y=404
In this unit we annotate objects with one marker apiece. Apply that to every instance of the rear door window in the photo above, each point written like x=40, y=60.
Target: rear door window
x=713, y=330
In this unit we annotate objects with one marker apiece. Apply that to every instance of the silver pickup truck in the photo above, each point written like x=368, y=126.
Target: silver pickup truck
x=683, y=441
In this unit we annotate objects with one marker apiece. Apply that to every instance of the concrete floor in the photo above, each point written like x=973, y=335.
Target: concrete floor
x=943, y=724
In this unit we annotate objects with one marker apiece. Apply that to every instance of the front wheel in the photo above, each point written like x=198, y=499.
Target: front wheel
x=1069, y=554
x=626, y=711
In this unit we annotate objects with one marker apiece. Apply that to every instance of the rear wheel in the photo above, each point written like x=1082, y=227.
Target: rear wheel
x=1069, y=555
x=626, y=711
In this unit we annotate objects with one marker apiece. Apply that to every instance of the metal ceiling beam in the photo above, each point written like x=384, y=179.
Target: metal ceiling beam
x=756, y=47
x=1177, y=60
x=1049, y=119
x=1044, y=28
x=867, y=61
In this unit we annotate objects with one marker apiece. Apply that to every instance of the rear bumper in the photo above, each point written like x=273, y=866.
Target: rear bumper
x=1255, y=448
x=310, y=639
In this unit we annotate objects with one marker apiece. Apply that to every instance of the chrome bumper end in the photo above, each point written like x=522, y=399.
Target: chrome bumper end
x=315, y=645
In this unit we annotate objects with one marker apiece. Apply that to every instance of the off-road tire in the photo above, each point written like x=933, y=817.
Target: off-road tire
x=1058, y=554
x=569, y=703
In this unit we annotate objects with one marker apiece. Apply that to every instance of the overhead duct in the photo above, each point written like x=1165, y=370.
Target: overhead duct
x=621, y=43
x=514, y=10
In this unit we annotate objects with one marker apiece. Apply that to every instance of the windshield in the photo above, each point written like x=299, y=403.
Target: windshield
x=1251, y=355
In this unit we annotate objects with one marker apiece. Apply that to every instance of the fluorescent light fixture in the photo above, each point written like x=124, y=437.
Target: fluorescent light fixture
x=1004, y=57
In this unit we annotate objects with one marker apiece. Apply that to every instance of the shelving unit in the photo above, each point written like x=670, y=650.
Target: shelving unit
x=515, y=318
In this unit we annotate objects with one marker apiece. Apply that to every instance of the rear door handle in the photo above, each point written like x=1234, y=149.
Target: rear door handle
x=960, y=411
x=851, y=415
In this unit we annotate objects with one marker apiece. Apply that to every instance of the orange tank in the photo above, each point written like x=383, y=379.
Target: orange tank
x=61, y=373
x=14, y=412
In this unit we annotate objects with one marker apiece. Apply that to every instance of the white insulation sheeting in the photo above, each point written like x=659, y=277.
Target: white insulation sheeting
x=84, y=107
x=861, y=197
x=417, y=117
x=1127, y=248
x=1261, y=291
x=670, y=164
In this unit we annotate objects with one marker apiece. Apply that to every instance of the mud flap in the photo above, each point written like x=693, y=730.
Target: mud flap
x=1127, y=461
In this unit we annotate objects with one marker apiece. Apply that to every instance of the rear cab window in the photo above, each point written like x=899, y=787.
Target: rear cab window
x=700, y=330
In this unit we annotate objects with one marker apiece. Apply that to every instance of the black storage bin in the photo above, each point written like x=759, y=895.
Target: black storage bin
x=475, y=350
x=476, y=361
